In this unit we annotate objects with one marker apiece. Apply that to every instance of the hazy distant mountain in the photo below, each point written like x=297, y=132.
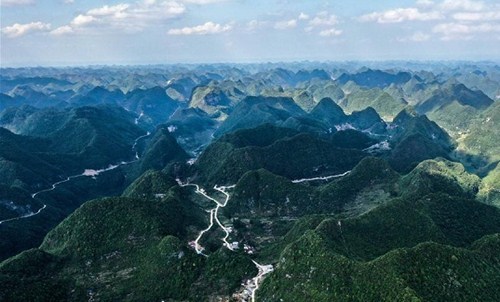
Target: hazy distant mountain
x=6, y=101
x=329, y=112
x=455, y=92
x=153, y=103
x=96, y=96
x=359, y=98
x=210, y=100
x=375, y=78
x=27, y=95
x=327, y=90
x=7, y=84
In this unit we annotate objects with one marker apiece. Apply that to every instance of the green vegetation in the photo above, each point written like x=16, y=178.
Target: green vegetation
x=399, y=221
x=309, y=271
x=385, y=253
x=63, y=142
x=415, y=139
x=261, y=136
x=490, y=187
x=149, y=185
x=125, y=248
x=376, y=98
x=15, y=201
x=192, y=128
x=21, y=164
x=440, y=175
x=260, y=193
x=455, y=92
x=481, y=136
x=371, y=174
x=454, y=117
x=255, y=111
x=224, y=163
x=153, y=102
x=328, y=112
x=29, y=276
x=161, y=150
x=351, y=139
x=209, y=99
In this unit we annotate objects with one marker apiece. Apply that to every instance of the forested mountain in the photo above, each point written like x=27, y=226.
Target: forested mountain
x=233, y=182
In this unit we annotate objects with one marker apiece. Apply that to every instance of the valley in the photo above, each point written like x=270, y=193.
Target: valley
x=86, y=173
x=251, y=285
x=308, y=181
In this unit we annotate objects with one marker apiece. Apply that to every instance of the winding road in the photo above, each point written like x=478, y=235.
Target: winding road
x=321, y=178
x=214, y=213
x=86, y=173
x=252, y=285
x=255, y=283
x=136, y=121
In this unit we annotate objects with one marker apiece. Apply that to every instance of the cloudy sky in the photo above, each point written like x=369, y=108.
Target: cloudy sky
x=81, y=32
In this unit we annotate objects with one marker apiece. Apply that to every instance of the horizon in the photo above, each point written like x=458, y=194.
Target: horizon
x=257, y=63
x=145, y=32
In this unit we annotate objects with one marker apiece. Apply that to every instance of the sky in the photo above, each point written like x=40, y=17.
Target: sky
x=132, y=32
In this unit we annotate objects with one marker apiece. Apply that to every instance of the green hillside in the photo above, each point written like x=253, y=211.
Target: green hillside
x=299, y=181
x=124, y=248
x=427, y=272
x=224, y=163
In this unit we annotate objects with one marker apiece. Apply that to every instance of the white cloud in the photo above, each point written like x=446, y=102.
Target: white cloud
x=458, y=31
x=477, y=16
x=464, y=19
x=286, y=24
x=324, y=19
x=401, y=14
x=325, y=22
x=8, y=3
x=330, y=32
x=82, y=20
x=63, y=30
x=303, y=16
x=18, y=30
x=116, y=10
x=201, y=2
x=155, y=10
x=425, y=3
x=69, y=1
x=467, y=5
x=204, y=29
x=124, y=17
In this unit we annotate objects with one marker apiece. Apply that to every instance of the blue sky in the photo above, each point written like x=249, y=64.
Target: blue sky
x=78, y=32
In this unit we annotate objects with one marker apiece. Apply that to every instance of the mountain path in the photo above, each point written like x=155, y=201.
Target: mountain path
x=253, y=284
x=86, y=173
x=325, y=178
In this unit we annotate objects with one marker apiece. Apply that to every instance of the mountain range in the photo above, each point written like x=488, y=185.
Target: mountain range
x=246, y=182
